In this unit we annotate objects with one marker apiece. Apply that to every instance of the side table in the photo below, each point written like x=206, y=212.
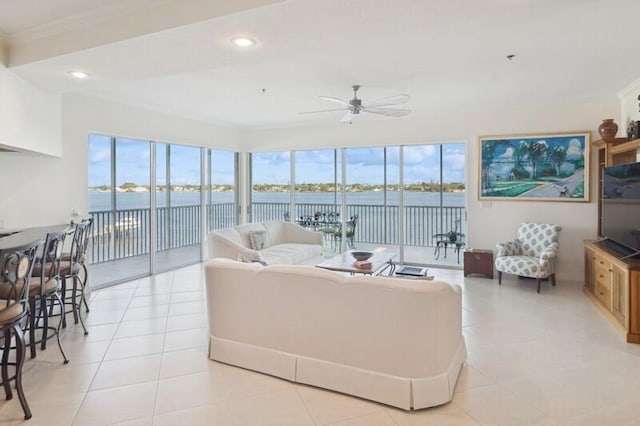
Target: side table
x=478, y=262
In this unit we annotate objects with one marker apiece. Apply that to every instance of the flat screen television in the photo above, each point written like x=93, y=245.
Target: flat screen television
x=621, y=207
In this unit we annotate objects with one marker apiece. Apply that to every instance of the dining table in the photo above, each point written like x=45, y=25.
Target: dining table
x=13, y=238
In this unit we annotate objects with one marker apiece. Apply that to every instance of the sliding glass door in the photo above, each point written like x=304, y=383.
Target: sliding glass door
x=318, y=202
x=178, y=179
x=372, y=178
x=434, y=204
x=271, y=186
x=221, y=189
x=150, y=212
x=406, y=199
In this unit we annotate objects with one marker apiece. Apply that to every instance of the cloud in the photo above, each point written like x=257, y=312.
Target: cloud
x=574, y=152
x=508, y=153
x=99, y=155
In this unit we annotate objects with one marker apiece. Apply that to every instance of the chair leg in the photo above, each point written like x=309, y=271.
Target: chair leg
x=538, y=281
x=499, y=277
x=77, y=306
x=20, y=347
x=45, y=323
x=84, y=285
x=553, y=279
x=5, y=363
x=32, y=326
x=61, y=302
x=74, y=304
x=63, y=314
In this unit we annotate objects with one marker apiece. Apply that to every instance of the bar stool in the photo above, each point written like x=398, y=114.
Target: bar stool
x=44, y=287
x=72, y=285
x=83, y=258
x=17, y=265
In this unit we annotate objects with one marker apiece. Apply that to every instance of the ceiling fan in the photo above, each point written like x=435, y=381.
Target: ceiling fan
x=354, y=106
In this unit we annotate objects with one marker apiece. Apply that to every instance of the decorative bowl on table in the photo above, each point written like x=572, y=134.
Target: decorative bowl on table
x=361, y=256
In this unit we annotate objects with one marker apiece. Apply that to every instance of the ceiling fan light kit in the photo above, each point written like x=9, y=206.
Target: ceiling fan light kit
x=354, y=106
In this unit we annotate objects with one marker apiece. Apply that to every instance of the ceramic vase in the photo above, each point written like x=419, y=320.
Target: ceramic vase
x=608, y=129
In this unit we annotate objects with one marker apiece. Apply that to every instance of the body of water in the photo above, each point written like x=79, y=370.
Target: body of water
x=100, y=201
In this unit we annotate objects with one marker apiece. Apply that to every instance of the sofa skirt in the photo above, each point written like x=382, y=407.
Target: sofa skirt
x=403, y=392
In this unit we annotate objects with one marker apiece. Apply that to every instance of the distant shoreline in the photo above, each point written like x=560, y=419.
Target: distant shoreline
x=305, y=187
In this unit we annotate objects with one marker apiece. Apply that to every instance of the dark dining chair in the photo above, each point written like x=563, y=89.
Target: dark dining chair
x=83, y=259
x=44, y=293
x=17, y=265
x=73, y=284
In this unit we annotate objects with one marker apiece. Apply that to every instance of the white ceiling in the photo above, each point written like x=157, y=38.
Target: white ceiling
x=448, y=55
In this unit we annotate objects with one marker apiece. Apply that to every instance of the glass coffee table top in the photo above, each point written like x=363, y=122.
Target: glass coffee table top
x=380, y=261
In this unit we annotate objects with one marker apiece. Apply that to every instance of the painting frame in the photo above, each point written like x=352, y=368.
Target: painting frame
x=551, y=166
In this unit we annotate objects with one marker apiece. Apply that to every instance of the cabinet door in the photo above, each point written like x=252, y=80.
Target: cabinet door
x=589, y=270
x=619, y=303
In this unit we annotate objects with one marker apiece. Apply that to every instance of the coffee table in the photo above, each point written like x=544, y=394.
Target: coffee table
x=380, y=262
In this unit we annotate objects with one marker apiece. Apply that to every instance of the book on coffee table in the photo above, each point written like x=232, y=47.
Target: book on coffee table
x=412, y=271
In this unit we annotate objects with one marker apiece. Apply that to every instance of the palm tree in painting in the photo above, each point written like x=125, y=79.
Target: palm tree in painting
x=488, y=152
x=557, y=157
x=537, y=154
x=520, y=152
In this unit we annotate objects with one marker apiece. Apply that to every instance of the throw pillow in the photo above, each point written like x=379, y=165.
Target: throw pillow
x=258, y=240
x=244, y=259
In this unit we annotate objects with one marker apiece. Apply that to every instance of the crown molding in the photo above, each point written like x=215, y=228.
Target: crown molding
x=86, y=19
x=109, y=25
x=632, y=88
x=105, y=97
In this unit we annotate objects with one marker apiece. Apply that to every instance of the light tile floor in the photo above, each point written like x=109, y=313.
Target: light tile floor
x=534, y=359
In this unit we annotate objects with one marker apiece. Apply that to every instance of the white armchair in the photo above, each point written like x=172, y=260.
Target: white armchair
x=532, y=254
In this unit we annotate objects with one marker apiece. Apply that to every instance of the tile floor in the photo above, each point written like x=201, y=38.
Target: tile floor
x=547, y=359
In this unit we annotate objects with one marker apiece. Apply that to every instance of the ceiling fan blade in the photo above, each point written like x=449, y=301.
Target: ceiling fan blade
x=347, y=117
x=389, y=112
x=392, y=100
x=334, y=100
x=324, y=110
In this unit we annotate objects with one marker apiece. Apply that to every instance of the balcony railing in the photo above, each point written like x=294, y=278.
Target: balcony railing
x=123, y=233
x=376, y=224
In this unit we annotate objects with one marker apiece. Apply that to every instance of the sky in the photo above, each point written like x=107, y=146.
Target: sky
x=364, y=165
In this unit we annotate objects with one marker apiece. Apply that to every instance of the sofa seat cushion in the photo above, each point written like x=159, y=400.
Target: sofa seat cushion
x=290, y=253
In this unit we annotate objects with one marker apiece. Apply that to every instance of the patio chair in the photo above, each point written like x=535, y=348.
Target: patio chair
x=350, y=232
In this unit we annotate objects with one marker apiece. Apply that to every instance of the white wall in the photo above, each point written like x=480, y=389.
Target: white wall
x=29, y=117
x=489, y=223
x=37, y=190
x=41, y=190
x=629, y=106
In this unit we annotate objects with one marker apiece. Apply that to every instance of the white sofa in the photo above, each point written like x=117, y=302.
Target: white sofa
x=287, y=243
x=391, y=340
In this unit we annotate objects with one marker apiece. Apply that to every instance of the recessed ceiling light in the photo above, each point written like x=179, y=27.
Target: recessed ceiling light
x=243, y=41
x=79, y=74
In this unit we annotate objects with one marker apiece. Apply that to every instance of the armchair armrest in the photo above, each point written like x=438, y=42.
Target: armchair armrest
x=221, y=246
x=548, y=255
x=510, y=248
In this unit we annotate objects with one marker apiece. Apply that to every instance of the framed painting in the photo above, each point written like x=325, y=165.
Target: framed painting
x=534, y=167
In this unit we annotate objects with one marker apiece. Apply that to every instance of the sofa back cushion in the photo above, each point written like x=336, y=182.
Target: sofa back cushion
x=277, y=232
x=244, y=231
x=407, y=328
x=230, y=233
